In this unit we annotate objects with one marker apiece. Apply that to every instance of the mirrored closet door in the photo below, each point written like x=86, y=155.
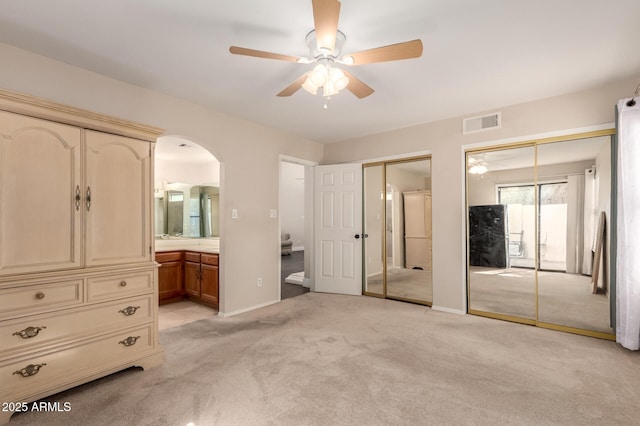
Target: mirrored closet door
x=397, y=221
x=539, y=220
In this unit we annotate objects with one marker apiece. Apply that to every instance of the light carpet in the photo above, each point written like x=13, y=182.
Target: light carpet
x=321, y=359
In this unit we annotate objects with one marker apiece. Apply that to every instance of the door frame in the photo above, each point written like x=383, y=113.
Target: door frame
x=309, y=267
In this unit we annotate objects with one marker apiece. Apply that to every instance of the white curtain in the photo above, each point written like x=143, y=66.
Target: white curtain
x=575, y=221
x=628, y=226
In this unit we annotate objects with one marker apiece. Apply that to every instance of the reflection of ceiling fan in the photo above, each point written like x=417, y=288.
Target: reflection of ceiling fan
x=477, y=166
x=325, y=47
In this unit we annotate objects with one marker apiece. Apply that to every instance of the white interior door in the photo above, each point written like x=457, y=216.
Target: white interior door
x=338, y=225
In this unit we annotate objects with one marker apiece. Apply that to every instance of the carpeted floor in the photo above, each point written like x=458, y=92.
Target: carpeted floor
x=322, y=359
x=564, y=299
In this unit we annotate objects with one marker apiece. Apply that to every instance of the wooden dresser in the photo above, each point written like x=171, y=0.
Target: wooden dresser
x=78, y=281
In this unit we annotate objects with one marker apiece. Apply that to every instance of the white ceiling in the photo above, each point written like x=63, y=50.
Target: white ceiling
x=478, y=55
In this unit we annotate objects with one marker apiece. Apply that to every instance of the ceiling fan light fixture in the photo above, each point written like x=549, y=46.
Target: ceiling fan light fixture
x=337, y=78
x=478, y=169
x=319, y=75
x=309, y=86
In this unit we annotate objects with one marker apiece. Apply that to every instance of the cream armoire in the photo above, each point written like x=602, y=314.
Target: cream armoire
x=417, y=229
x=78, y=286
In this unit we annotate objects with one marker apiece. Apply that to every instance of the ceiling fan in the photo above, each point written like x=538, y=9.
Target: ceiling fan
x=325, y=48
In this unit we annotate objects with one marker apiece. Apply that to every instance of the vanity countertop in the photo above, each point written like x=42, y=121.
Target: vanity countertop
x=201, y=249
x=200, y=245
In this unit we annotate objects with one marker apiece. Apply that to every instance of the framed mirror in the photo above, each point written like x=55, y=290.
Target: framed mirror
x=187, y=211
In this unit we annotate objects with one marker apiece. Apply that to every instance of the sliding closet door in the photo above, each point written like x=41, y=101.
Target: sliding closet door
x=397, y=230
x=539, y=226
x=408, y=231
x=501, y=201
x=574, y=226
x=373, y=177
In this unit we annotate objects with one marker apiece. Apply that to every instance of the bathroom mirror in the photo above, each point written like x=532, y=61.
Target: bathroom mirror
x=188, y=211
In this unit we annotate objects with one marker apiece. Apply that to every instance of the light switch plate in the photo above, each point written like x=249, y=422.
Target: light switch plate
x=273, y=213
x=234, y=213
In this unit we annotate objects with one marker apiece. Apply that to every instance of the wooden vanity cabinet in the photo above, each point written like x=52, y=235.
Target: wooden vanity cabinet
x=201, y=278
x=209, y=274
x=192, y=274
x=170, y=276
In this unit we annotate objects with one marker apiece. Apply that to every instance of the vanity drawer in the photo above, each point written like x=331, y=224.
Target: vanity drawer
x=173, y=256
x=117, y=286
x=210, y=259
x=32, y=332
x=192, y=257
x=40, y=297
x=18, y=378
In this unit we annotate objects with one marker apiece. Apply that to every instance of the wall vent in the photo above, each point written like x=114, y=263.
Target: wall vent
x=481, y=123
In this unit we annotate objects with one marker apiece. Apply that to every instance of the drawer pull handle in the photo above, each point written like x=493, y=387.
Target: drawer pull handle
x=30, y=370
x=130, y=341
x=39, y=295
x=29, y=332
x=129, y=310
x=123, y=283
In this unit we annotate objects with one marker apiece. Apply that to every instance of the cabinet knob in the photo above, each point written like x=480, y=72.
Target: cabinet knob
x=123, y=283
x=39, y=295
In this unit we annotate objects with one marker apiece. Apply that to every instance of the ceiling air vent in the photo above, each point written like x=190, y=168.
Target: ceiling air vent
x=481, y=123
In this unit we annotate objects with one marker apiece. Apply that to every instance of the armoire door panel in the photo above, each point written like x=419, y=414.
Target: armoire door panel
x=39, y=177
x=117, y=199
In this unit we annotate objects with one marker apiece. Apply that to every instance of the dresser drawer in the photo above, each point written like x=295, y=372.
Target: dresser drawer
x=33, y=373
x=32, y=333
x=39, y=297
x=192, y=257
x=173, y=256
x=210, y=259
x=118, y=286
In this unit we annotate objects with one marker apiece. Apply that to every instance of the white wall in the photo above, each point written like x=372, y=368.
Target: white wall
x=292, y=205
x=558, y=115
x=194, y=174
x=250, y=245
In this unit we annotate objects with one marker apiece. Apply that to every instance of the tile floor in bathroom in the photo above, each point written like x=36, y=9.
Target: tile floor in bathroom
x=184, y=312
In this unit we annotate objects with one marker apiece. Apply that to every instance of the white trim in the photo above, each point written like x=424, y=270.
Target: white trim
x=250, y=308
x=448, y=310
x=306, y=282
x=566, y=132
x=398, y=156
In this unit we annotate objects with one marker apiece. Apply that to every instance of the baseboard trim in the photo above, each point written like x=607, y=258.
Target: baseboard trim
x=448, y=310
x=243, y=310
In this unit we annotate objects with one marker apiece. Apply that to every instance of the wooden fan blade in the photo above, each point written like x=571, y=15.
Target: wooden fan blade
x=293, y=87
x=357, y=87
x=325, y=17
x=260, y=54
x=393, y=52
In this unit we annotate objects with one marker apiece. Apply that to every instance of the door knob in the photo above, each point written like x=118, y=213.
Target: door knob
x=357, y=236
